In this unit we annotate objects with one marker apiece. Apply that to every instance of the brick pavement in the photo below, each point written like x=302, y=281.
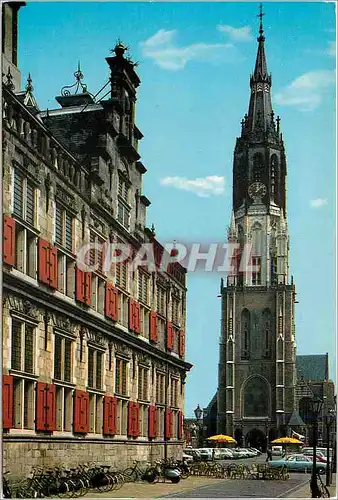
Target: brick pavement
x=145, y=490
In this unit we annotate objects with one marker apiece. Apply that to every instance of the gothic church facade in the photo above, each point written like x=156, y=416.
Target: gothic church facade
x=257, y=373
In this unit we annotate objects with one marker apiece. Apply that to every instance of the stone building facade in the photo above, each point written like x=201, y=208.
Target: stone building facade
x=257, y=373
x=93, y=361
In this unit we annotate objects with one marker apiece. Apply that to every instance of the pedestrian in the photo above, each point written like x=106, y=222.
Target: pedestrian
x=213, y=454
x=268, y=454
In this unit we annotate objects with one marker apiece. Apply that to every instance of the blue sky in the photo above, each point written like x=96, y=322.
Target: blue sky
x=194, y=63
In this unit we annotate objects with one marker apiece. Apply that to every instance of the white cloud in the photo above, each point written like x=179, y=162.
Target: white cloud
x=306, y=91
x=202, y=186
x=162, y=48
x=238, y=34
x=318, y=202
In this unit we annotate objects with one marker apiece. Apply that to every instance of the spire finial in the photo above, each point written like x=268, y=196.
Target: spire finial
x=29, y=86
x=260, y=15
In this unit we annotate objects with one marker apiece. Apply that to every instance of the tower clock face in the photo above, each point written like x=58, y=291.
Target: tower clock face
x=257, y=190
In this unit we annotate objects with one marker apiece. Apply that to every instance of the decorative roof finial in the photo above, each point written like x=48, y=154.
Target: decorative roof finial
x=119, y=48
x=152, y=229
x=29, y=87
x=9, y=80
x=78, y=77
x=261, y=31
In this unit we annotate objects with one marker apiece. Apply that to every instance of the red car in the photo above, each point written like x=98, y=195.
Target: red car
x=319, y=456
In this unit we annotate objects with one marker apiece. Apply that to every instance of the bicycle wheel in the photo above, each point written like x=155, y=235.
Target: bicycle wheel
x=324, y=491
x=103, y=482
x=130, y=475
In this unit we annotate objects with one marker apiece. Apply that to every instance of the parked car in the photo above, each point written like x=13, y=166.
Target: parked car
x=187, y=458
x=298, y=463
x=257, y=452
x=277, y=450
x=226, y=454
x=247, y=452
x=193, y=452
x=205, y=453
x=321, y=450
x=319, y=455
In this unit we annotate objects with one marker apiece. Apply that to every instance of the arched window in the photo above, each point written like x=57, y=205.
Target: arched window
x=256, y=398
x=274, y=176
x=245, y=334
x=257, y=248
x=257, y=170
x=267, y=340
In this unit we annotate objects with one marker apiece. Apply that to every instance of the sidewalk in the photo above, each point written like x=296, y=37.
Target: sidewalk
x=146, y=490
x=305, y=491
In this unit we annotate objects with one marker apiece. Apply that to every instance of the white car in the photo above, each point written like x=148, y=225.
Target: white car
x=187, y=458
x=205, y=453
x=226, y=454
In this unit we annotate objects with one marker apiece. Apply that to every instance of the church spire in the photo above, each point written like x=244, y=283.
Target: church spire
x=259, y=118
x=261, y=73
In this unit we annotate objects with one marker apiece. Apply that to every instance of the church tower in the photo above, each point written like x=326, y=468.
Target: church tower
x=256, y=383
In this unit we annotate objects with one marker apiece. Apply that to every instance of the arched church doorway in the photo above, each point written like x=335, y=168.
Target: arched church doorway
x=239, y=437
x=256, y=439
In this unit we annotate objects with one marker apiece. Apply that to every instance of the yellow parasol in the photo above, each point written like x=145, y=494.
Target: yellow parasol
x=286, y=440
x=222, y=438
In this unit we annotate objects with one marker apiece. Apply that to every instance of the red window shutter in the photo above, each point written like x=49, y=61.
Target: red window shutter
x=171, y=416
x=153, y=326
x=109, y=415
x=111, y=306
x=7, y=401
x=43, y=261
x=50, y=407
x=80, y=285
x=180, y=425
x=53, y=267
x=168, y=423
x=182, y=344
x=152, y=421
x=130, y=429
x=87, y=288
x=131, y=314
x=40, y=406
x=136, y=420
x=45, y=407
x=9, y=241
x=137, y=317
x=170, y=336
x=81, y=412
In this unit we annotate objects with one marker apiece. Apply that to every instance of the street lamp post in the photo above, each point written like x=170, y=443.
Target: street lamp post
x=267, y=422
x=198, y=414
x=316, y=406
x=329, y=420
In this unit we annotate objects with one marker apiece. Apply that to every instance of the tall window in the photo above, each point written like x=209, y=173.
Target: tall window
x=96, y=255
x=95, y=413
x=95, y=368
x=64, y=221
x=143, y=382
x=161, y=300
x=245, y=334
x=256, y=275
x=160, y=388
x=63, y=358
x=274, y=176
x=123, y=309
x=143, y=287
x=121, y=376
x=22, y=359
x=22, y=346
x=267, y=333
x=24, y=203
x=123, y=207
x=175, y=310
x=257, y=171
x=174, y=392
x=122, y=275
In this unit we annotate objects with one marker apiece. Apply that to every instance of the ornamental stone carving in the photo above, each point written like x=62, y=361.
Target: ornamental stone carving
x=25, y=307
